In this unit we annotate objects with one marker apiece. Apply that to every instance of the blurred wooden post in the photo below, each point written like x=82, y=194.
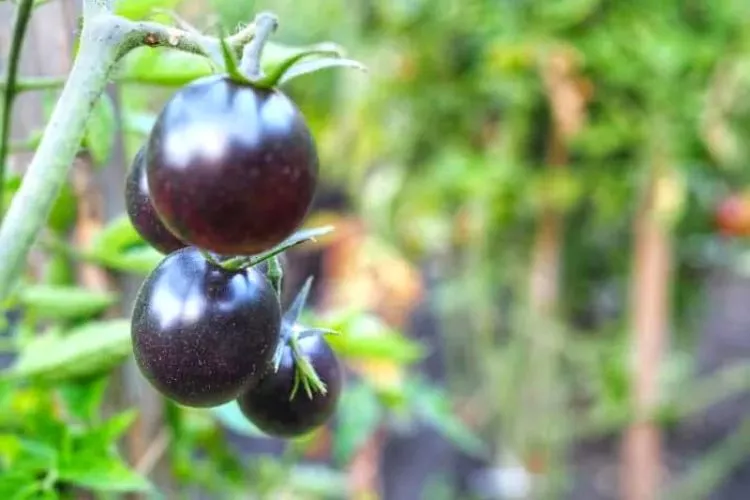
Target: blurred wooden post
x=642, y=461
x=567, y=94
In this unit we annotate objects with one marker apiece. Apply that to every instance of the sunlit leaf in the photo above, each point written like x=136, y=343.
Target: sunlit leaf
x=103, y=474
x=87, y=350
x=117, y=235
x=82, y=398
x=140, y=9
x=366, y=336
x=171, y=68
x=64, y=302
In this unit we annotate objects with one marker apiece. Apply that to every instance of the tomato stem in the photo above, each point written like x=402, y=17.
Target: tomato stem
x=23, y=16
x=245, y=261
x=48, y=170
x=210, y=258
x=105, y=38
x=265, y=25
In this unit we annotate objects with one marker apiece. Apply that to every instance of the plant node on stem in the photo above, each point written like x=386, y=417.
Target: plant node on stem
x=105, y=38
x=265, y=24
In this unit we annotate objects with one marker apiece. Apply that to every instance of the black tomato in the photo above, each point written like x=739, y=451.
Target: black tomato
x=232, y=168
x=202, y=334
x=268, y=406
x=140, y=210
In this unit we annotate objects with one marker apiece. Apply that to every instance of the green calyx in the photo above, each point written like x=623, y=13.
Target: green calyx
x=299, y=62
x=292, y=332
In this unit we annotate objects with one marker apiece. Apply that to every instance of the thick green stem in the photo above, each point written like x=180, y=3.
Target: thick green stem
x=62, y=138
x=265, y=24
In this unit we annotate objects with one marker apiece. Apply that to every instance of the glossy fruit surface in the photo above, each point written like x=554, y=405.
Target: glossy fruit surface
x=268, y=407
x=202, y=334
x=733, y=215
x=141, y=212
x=232, y=168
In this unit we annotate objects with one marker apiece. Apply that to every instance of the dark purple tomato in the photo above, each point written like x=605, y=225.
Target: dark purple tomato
x=202, y=334
x=267, y=404
x=141, y=212
x=232, y=168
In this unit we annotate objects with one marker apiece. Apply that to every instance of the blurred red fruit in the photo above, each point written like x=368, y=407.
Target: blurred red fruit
x=733, y=215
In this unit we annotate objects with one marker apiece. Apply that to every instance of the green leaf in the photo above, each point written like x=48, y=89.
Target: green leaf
x=101, y=129
x=119, y=234
x=141, y=260
x=230, y=416
x=90, y=459
x=83, y=398
x=170, y=68
x=116, y=426
x=103, y=473
x=358, y=416
x=366, y=336
x=10, y=187
x=21, y=454
x=19, y=485
x=64, y=211
x=307, y=67
x=64, y=302
x=140, y=9
x=432, y=404
x=88, y=350
x=59, y=270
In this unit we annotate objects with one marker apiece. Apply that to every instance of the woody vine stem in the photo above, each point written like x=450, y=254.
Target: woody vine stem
x=105, y=39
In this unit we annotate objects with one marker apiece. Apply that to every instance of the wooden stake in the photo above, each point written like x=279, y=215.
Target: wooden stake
x=642, y=449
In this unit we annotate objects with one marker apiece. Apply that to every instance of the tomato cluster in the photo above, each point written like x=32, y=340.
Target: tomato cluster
x=228, y=172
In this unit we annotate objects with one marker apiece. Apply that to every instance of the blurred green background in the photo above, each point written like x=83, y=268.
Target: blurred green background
x=540, y=267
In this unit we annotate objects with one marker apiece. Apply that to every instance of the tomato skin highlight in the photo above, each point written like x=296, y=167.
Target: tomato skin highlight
x=202, y=334
x=267, y=404
x=141, y=211
x=232, y=168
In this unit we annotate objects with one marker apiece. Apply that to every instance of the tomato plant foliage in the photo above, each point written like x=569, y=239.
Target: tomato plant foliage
x=68, y=338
